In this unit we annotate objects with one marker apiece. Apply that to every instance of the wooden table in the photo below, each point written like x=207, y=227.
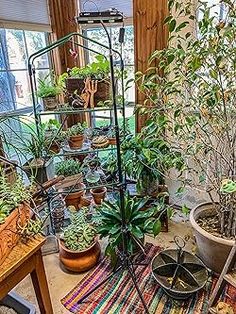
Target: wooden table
x=26, y=259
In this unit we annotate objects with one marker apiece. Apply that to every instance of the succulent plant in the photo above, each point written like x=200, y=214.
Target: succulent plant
x=80, y=234
x=68, y=167
x=77, y=129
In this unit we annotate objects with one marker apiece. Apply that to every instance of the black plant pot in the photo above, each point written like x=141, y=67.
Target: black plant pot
x=41, y=172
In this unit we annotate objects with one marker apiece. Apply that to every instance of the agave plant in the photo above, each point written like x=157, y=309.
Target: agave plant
x=139, y=222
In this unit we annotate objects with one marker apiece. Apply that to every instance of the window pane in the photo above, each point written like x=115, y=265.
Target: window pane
x=36, y=41
x=7, y=83
x=16, y=49
x=21, y=89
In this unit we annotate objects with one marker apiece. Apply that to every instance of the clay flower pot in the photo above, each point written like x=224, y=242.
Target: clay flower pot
x=99, y=194
x=9, y=230
x=54, y=147
x=50, y=103
x=76, y=141
x=79, y=261
x=85, y=201
x=73, y=199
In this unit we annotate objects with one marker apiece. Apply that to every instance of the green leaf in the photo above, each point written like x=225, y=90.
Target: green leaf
x=168, y=19
x=157, y=227
x=213, y=74
x=181, y=26
x=170, y=58
x=185, y=210
x=170, y=212
x=172, y=26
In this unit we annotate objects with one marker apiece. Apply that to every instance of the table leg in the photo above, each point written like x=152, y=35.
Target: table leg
x=39, y=280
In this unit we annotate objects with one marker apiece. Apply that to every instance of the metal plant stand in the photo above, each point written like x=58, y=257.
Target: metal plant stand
x=126, y=263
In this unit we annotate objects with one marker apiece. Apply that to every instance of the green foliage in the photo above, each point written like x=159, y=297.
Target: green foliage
x=192, y=90
x=48, y=87
x=77, y=129
x=138, y=222
x=99, y=69
x=11, y=195
x=68, y=167
x=80, y=234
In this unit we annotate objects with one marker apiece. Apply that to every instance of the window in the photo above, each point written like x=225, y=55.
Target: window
x=15, y=48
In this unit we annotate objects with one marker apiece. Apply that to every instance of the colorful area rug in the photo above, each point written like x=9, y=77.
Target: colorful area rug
x=118, y=295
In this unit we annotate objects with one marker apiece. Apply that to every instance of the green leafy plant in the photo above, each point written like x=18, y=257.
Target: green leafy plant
x=138, y=222
x=192, y=90
x=47, y=87
x=68, y=167
x=147, y=157
x=77, y=129
x=11, y=195
x=80, y=234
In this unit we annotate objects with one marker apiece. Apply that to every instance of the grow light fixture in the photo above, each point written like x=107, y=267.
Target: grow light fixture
x=109, y=16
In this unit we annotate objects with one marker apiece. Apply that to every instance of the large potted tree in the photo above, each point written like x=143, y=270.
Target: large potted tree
x=192, y=91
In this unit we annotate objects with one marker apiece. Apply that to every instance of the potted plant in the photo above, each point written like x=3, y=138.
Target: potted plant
x=72, y=171
x=76, y=135
x=195, y=96
x=79, y=249
x=139, y=223
x=14, y=212
x=48, y=90
x=38, y=164
x=96, y=71
x=54, y=136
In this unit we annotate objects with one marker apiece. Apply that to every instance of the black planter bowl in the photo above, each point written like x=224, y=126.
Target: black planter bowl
x=179, y=277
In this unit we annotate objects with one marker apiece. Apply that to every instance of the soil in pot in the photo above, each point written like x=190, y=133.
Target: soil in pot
x=73, y=198
x=99, y=195
x=213, y=250
x=76, y=141
x=50, y=103
x=54, y=147
x=79, y=261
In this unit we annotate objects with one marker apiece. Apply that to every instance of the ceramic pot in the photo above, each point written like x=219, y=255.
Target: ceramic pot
x=54, y=147
x=9, y=230
x=50, y=103
x=212, y=250
x=98, y=195
x=73, y=199
x=79, y=261
x=76, y=141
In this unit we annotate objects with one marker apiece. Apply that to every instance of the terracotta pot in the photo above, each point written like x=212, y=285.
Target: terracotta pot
x=73, y=199
x=76, y=141
x=212, y=250
x=55, y=147
x=98, y=194
x=85, y=201
x=9, y=172
x=79, y=261
x=9, y=230
x=112, y=140
x=50, y=103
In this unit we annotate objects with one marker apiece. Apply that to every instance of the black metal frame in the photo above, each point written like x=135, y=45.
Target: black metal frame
x=126, y=263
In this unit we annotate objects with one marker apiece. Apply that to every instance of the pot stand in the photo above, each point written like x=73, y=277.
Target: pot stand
x=179, y=272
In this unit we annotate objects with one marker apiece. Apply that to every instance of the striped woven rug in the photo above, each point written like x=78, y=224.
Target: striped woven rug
x=118, y=295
